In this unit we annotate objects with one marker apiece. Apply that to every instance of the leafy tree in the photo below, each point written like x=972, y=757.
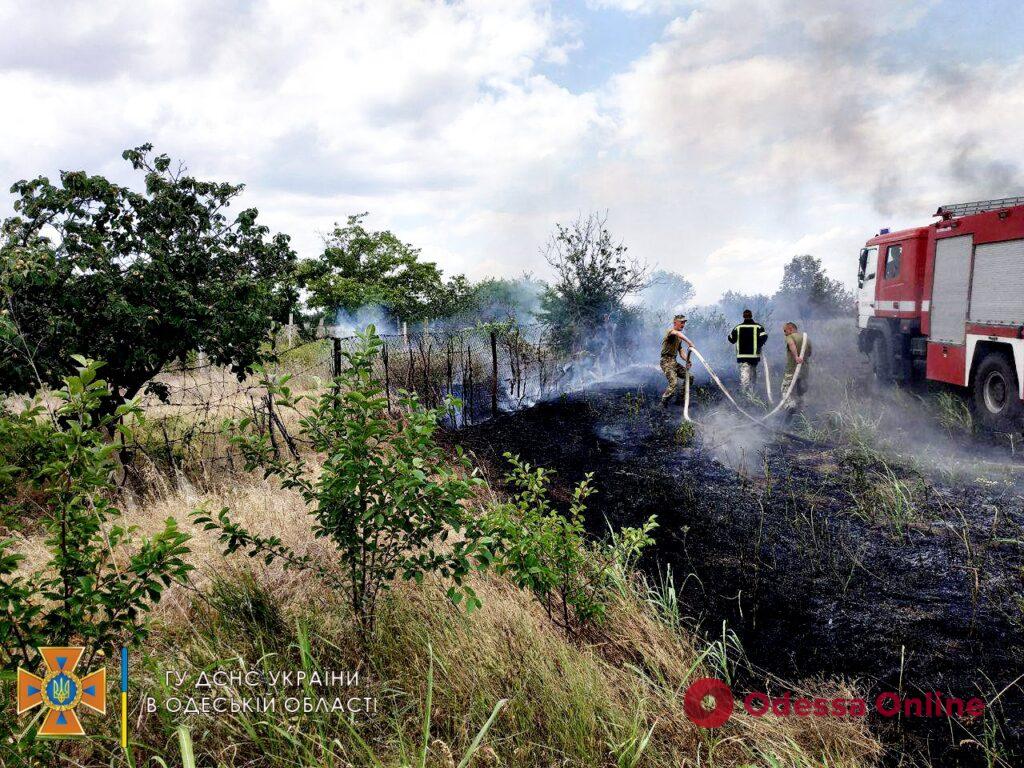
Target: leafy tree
x=386, y=495
x=137, y=279
x=80, y=595
x=547, y=552
x=593, y=276
x=733, y=303
x=456, y=297
x=360, y=267
x=708, y=322
x=666, y=293
x=500, y=299
x=807, y=291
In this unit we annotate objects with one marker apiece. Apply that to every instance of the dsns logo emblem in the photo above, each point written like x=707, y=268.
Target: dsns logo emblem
x=708, y=702
x=61, y=691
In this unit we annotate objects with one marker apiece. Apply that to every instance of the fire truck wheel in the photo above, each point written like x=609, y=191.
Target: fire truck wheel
x=881, y=360
x=995, y=392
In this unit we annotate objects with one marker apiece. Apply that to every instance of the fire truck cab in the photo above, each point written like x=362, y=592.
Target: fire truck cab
x=945, y=302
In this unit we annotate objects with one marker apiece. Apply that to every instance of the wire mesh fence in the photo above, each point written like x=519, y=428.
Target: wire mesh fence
x=484, y=369
x=487, y=369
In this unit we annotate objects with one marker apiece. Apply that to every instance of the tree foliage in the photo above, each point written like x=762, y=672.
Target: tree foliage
x=666, y=293
x=94, y=588
x=733, y=303
x=593, y=276
x=360, y=267
x=137, y=279
x=386, y=495
x=498, y=299
x=806, y=291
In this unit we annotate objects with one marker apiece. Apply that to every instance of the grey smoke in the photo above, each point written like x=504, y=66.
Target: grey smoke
x=981, y=175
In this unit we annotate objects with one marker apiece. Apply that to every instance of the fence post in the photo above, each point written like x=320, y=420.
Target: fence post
x=270, y=425
x=426, y=364
x=387, y=373
x=337, y=359
x=451, y=352
x=494, y=374
x=410, y=374
x=471, y=397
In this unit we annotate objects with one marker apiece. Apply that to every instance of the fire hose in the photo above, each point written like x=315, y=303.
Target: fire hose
x=759, y=421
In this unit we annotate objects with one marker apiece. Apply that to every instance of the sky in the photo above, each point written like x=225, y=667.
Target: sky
x=720, y=137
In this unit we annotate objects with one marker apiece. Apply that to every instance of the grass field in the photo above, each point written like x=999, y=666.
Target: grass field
x=437, y=675
x=503, y=686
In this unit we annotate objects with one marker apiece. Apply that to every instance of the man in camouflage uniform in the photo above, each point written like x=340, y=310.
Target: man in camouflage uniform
x=670, y=346
x=794, y=343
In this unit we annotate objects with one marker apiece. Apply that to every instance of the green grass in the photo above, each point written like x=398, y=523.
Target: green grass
x=891, y=499
x=952, y=413
x=306, y=355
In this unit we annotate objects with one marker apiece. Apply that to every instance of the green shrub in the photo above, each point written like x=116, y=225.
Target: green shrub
x=25, y=441
x=80, y=595
x=547, y=552
x=386, y=496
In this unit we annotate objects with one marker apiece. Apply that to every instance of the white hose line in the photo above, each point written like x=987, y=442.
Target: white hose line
x=686, y=396
x=792, y=383
x=767, y=381
x=721, y=386
x=725, y=391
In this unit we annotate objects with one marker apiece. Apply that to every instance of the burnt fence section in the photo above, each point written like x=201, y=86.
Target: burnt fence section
x=486, y=369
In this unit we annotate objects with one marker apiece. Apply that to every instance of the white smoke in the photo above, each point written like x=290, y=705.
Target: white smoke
x=351, y=323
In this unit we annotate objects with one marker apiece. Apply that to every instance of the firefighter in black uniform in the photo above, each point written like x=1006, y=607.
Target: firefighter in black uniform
x=748, y=337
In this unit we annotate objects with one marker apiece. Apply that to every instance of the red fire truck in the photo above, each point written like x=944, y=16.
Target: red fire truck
x=945, y=302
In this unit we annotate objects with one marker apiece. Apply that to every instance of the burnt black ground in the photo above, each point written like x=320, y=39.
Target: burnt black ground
x=811, y=589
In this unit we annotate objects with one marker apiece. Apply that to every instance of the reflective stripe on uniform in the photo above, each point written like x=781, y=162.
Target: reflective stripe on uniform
x=755, y=330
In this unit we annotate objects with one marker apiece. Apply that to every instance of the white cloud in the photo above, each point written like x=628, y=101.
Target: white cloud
x=749, y=132
x=804, y=133
x=423, y=113
x=640, y=6
x=760, y=260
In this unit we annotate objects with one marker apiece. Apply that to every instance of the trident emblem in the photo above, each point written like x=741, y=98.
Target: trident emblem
x=61, y=691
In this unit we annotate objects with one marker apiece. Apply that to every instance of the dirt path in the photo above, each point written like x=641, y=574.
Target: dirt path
x=811, y=588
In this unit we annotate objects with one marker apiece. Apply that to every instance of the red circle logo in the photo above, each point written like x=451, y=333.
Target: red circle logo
x=693, y=702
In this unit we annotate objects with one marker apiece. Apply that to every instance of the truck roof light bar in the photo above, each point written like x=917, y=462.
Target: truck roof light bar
x=979, y=206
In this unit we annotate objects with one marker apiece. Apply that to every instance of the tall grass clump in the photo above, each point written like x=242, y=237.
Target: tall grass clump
x=503, y=686
x=953, y=413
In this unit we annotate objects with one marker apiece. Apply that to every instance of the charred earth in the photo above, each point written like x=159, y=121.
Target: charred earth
x=809, y=552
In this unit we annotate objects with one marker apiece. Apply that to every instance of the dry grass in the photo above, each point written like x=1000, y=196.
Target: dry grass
x=612, y=699
x=589, y=703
